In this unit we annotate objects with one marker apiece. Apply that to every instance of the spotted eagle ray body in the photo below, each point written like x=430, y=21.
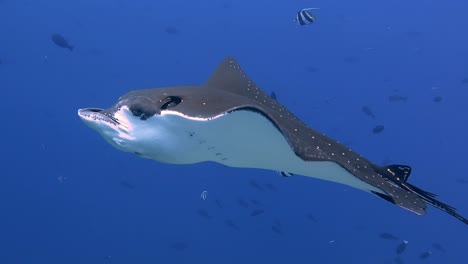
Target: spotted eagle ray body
x=230, y=120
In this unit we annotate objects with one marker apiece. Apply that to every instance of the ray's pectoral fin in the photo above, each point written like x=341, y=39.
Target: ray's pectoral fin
x=399, y=175
x=399, y=171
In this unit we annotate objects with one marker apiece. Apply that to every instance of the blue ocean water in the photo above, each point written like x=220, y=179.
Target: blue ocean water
x=66, y=196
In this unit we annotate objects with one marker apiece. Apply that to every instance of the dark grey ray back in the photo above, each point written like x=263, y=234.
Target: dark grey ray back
x=307, y=143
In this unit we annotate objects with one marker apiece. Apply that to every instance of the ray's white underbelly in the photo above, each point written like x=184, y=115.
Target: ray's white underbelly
x=247, y=139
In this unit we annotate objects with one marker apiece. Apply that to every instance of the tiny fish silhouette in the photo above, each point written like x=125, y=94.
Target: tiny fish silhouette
x=273, y=95
x=60, y=41
x=402, y=247
x=231, y=224
x=218, y=203
x=203, y=213
x=271, y=187
x=255, y=185
x=257, y=212
x=438, y=247
x=397, y=98
x=312, y=218
x=180, y=246
x=425, y=254
x=388, y=236
x=368, y=111
x=378, y=129
x=127, y=185
x=276, y=229
x=398, y=260
x=255, y=202
x=242, y=203
x=437, y=99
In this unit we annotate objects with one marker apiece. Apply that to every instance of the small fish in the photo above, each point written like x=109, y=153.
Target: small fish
x=304, y=17
x=378, y=129
x=171, y=30
x=273, y=95
x=180, y=246
x=60, y=41
x=438, y=247
x=397, y=98
x=218, y=203
x=351, y=59
x=242, y=203
x=425, y=254
x=257, y=212
x=203, y=213
x=127, y=185
x=437, y=99
x=255, y=202
x=402, y=247
x=311, y=69
x=231, y=224
x=398, y=260
x=368, y=111
x=312, y=218
x=462, y=181
x=255, y=185
x=388, y=236
x=276, y=229
x=271, y=187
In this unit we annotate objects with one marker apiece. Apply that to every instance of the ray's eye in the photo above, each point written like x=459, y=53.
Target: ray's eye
x=170, y=102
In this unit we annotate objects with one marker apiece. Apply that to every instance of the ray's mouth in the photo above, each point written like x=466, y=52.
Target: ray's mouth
x=97, y=115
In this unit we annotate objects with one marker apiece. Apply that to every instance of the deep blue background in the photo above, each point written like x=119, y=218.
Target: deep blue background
x=66, y=196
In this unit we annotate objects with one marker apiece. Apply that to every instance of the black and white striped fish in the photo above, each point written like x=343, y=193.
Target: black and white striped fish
x=304, y=17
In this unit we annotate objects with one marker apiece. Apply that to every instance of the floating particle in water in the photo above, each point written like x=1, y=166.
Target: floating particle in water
x=62, y=178
x=204, y=195
x=378, y=129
